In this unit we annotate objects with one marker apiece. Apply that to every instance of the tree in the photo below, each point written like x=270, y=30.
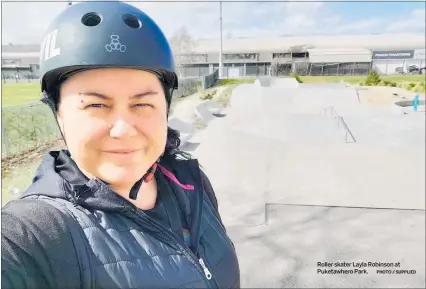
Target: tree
x=279, y=68
x=182, y=46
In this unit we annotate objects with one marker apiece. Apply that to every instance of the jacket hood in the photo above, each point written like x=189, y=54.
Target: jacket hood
x=58, y=176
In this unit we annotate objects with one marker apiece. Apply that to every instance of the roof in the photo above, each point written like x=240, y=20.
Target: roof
x=282, y=44
x=20, y=48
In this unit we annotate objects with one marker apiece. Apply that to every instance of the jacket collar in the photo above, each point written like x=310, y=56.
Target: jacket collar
x=58, y=176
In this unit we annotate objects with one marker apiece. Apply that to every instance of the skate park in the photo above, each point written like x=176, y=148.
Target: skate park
x=304, y=174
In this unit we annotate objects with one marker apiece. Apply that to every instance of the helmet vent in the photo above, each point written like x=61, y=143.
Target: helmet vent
x=91, y=19
x=132, y=21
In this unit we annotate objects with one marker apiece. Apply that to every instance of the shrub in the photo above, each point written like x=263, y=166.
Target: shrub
x=373, y=78
x=295, y=75
x=405, y=86
x=419, y=87
x=392, y=84
x=208, y=95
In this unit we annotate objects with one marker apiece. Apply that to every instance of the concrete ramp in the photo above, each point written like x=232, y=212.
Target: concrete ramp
x=186, y=129
x=277, y=100
x=292, y=193
x=296, y=238
x=348, y=176
x=334, y=85
x=207, y=110
x=284, y=82
x=396, y=131
x=263, y=81
x=313, y=130
x=245, y=98
x=285, y=95
x=344, y=100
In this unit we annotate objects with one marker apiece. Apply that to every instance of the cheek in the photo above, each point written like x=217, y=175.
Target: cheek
x=82, y=132
x=154, y=127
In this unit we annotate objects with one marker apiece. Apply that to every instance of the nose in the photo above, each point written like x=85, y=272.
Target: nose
x=122, y=129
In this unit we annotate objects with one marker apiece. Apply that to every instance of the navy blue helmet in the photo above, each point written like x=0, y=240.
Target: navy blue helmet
x=104, y=34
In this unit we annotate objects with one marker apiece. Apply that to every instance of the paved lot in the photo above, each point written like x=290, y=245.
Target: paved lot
x=293, y=193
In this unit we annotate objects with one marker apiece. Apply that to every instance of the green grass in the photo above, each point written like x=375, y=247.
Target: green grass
x=19, y=93
x=232, y=81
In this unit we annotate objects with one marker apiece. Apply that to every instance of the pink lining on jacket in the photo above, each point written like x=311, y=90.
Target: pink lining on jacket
x=174, y=179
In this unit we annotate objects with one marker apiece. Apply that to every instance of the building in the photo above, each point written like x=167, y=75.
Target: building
x=307, y=55
x=399, y=61
x=251, y=57
x=20, y=61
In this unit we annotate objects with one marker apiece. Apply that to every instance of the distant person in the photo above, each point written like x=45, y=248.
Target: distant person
x=122, y=207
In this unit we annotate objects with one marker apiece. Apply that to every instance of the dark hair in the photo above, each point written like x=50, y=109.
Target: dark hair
x=173, y=135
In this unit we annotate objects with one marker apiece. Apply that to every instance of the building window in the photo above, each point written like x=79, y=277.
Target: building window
x=281, y=55
x=10, y=62
x=300, y=54
x=241, y=56
x=290, y=55
x=34, y=67
x=192, y=57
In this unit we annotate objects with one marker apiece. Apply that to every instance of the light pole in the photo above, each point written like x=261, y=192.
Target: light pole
x=220, y=53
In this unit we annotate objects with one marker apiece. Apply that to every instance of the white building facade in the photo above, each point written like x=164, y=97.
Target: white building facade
x=251, y=57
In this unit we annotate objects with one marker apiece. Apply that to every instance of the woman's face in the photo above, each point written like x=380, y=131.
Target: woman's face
x=114, y=121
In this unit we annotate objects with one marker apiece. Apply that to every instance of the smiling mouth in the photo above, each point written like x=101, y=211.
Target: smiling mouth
x=121, y=152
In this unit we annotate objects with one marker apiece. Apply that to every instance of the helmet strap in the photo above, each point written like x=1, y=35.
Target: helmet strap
x=53, y=106
x=145, y=179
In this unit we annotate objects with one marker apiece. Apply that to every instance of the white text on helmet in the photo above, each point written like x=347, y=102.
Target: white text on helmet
x=48, y=46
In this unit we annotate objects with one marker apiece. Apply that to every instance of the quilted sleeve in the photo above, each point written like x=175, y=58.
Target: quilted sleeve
x=36, y=248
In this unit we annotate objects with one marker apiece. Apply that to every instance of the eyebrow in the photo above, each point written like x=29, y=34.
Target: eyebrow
x=102, y=96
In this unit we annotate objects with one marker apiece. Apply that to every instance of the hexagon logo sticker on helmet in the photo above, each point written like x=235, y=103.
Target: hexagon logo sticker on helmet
x=115, y=44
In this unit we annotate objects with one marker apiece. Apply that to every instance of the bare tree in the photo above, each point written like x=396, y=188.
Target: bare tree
x=278, y=68
x=182, y=46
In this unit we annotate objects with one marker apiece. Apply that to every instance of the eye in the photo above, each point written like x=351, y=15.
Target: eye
x=96, y=105
x=143, y=105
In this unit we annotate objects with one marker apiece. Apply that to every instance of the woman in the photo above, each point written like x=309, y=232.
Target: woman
x=120, y=208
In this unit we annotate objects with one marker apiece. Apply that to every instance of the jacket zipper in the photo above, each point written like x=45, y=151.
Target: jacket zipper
x=197, y=262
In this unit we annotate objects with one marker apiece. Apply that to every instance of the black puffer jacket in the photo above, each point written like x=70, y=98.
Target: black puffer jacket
x=66, y=231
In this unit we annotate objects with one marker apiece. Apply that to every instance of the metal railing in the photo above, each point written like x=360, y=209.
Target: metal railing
x=186, y=86
x=210, y=80
x=340, y=123
x=26, y=127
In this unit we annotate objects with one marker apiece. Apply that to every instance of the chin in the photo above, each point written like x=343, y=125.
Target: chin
x=120, y=175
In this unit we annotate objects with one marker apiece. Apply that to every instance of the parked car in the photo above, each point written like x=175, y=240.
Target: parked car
x=399, y=70
x=413, y=69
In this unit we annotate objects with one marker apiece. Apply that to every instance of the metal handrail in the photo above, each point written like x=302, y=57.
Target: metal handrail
x=347, y=130
x=340, y=120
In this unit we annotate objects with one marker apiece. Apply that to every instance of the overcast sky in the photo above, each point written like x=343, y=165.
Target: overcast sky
x=25, y=22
